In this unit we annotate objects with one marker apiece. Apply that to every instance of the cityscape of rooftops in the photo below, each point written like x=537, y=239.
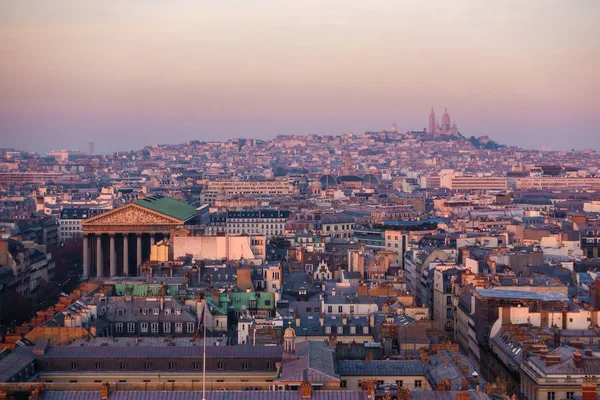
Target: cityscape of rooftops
x=300, y=200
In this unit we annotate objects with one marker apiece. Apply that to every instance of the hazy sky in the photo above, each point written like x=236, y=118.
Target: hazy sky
x=127, y=73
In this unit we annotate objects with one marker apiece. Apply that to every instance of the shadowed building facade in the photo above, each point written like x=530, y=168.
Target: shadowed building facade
x=116, y=242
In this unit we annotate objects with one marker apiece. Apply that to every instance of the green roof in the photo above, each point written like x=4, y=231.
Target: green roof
x=168, y=206
x=239, y=301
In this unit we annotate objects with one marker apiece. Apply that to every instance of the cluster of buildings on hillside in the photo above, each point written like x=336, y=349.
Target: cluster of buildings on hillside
x=384, y=265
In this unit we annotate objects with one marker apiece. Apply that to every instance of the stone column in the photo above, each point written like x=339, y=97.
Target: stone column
x=125, y=255
x=113, y=259
x=139, y=249
x=99, y=260
x=86, y=256
x=152, y=240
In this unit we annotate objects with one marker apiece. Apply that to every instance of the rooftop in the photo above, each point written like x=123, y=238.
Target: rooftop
x=168, y=206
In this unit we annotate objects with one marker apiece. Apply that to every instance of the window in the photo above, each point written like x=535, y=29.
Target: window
x=570, y=395
x=178, y=327
x=74, y=366
x=448, y=300
x=171, y=365
x=190, y=327
x=131, y=327
x=343, y=384
x=329, y=309
x=220, y=365
x=119, y=327
x=399, y=383
x=340, y=309
x=144, y=327
x=365, y=330
x=196, y=365
x=245, y=365
x=418, y=383
x=122, y=365
x=154, y=327
x=147, y=365
x=270, y=365
x=155, y=311
x=98, y=365
x=168, y=311
x=167, y=327
x=178, y=312
x=551, y=395
x=120, y=312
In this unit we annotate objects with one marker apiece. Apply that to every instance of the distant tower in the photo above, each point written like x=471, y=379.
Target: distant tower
x=394, y=128
x=348, y=164
x=289, y=342
x=431, y=122
x=91, y=148
x=446, y=124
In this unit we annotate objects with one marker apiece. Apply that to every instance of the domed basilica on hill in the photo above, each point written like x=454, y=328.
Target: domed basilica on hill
x=445, y=128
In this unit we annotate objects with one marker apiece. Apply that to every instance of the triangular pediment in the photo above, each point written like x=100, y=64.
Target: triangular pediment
x=130, y=214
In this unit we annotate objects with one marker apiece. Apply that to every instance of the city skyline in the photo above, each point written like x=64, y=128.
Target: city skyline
x=137, y=73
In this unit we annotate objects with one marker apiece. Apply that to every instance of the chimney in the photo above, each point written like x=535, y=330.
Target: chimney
x=369, y=357
x=403, y=394
x=457, y=360
x=297, y=320
x=306, y=390
x=332, y=340
x=104, y=391
x=464, y=369
x=588, y=352
x=444, y=385
x=344, y=319
x=577, y=359
x=363, y=290
x=425, y=359
x=3, y=395
x=372, y=320
x=543, y=353
x=322, y=319
x=37, y=393
x=464, y=384
x=552, y=359
x=463, y=395
x=588, y=391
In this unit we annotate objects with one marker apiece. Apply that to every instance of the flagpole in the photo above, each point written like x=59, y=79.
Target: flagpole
x=204, y=356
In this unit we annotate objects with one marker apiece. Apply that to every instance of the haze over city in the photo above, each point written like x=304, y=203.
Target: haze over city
x=131, y=73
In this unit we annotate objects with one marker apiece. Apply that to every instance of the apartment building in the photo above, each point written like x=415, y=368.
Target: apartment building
x=216, y=189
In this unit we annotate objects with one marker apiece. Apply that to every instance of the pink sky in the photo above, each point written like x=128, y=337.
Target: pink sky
x=522, y=71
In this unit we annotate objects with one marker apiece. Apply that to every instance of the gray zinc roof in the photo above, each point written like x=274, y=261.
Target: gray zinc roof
x=239, y=395
x=381, y=368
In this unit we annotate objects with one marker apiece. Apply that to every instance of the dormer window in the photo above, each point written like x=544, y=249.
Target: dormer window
x=155, y=311
x=168, y=311
x=177, y=312
x=120, y=312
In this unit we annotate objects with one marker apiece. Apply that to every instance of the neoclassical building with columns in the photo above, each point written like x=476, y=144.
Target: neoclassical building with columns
x=116, y=242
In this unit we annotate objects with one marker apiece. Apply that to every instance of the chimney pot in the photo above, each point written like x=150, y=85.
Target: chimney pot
x=577, y=359
x=306, y=390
